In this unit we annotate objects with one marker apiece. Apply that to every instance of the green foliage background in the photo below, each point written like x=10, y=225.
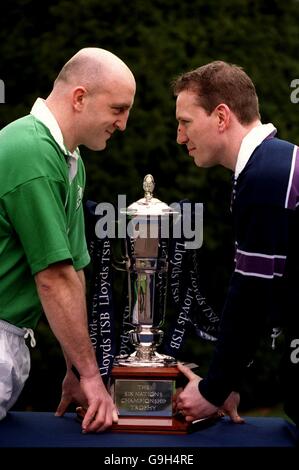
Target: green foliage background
x=158, y=39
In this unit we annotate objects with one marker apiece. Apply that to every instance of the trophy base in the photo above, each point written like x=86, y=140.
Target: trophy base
x=175, y=425
x=150, y=426
x=144, y=398
x=155, y=360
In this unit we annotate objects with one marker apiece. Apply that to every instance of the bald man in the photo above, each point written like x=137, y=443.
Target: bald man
x=42, y=242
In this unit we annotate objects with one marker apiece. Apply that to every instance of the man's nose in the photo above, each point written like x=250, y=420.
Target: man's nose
x=121, y=122
x=181, y=137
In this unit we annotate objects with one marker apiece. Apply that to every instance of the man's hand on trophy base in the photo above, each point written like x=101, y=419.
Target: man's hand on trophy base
x=190, y=403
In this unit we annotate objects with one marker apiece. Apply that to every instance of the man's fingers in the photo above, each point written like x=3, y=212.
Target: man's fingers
x=232, y=414
x=230, y=407
x=96, y=421
x=62, y=407
x=236, y=418
x=114, y=416
x=81, y=411
x=89, y=417
x=186, y=371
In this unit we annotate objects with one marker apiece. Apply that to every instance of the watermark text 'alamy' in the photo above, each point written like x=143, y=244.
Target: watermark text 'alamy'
x=186, y=223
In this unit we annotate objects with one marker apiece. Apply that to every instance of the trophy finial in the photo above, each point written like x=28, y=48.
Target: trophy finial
x=148, y=186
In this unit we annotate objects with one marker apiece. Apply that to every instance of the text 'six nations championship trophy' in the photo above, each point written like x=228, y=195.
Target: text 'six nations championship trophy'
x=143, y=384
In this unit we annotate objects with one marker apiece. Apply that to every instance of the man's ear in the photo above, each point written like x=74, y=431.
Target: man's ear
x=78, y=98
x=223, y=116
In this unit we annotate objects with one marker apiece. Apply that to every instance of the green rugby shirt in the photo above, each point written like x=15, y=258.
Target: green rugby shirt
x=41, y=214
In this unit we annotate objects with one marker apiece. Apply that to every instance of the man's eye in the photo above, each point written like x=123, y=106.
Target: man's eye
x=119, y=110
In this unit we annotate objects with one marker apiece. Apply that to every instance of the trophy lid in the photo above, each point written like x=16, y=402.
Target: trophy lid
x=149, y=205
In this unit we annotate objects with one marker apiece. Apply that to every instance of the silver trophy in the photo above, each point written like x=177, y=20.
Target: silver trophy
x=148, y=221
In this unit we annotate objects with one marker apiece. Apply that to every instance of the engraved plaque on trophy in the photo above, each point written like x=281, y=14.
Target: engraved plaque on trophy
x=143, y=383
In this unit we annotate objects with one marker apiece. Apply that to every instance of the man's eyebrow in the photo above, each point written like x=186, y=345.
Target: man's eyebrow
x=120, y=105
x=181, y=118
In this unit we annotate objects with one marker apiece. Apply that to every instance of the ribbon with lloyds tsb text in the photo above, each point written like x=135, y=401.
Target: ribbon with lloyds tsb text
x=100, y=305
x=192, y=312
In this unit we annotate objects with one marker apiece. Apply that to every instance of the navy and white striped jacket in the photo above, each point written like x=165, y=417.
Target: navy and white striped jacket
x=264, y=288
